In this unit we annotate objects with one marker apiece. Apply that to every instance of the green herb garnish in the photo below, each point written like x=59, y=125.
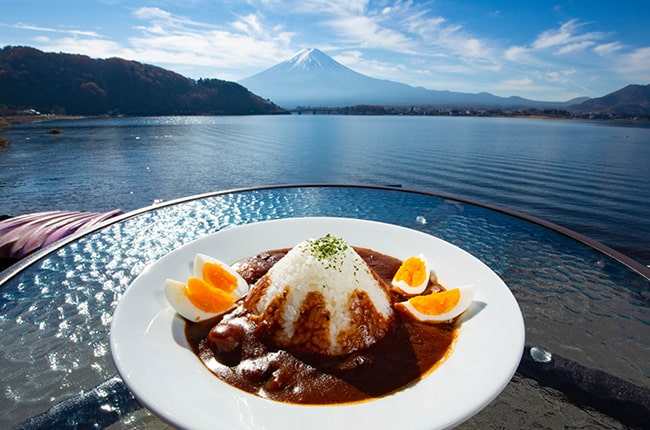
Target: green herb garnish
x=327, y=249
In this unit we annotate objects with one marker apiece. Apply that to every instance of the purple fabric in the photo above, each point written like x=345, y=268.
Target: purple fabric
x=22, y=235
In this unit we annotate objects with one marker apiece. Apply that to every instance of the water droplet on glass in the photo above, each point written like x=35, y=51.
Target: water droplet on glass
x=420, y=220
x=540, y=354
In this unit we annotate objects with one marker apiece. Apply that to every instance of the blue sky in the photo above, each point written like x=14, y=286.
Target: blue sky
x=543, y=50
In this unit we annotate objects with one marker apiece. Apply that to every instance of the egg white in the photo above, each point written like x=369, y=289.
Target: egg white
x=175, y=294
x=465, y=300
x=413, y=290
x=175, y=291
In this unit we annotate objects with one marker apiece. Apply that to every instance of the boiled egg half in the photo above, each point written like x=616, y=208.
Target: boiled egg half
x=413, y=275
x=439, y=306
x=213, y=290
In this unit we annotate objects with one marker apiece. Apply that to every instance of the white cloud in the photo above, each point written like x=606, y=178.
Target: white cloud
x=375, y=68
x=560, y=76
x=352, y=23
x=152, y=13
x=571, y=61
x=246, y=43
x=564, y=59
x=608, y=48
x=249, y=24
x=518, y=54
x=517, y=82
x=573, y=47
x=232, y=50
x=635, y=65
x=57, y=30
x=449, y=46
x=474, y=48
x=365, y=31
x=424, y=26
x=534, y=88
x=567, y=38
x=326, y=7
x=95, y=48
x=555, y=37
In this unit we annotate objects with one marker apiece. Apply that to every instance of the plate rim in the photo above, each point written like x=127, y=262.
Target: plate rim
x=116, y=349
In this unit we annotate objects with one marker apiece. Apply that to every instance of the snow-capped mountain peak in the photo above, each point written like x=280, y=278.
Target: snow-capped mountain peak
x=312, y=58
x=309, y=76
x=302, y=57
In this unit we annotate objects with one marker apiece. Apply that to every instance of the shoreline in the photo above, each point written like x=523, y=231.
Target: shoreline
x=9, y=120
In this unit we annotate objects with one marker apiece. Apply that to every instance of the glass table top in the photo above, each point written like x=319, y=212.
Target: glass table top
x=585, y=307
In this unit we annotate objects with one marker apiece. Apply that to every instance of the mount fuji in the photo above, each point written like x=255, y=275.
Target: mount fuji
x=313, y=78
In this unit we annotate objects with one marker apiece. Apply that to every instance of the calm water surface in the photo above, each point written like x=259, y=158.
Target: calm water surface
x=591, y=177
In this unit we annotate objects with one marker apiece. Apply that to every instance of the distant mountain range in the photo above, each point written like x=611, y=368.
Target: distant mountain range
x=78, y=85
x=313, y=78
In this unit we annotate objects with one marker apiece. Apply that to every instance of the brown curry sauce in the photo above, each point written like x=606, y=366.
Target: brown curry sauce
x=231, y=349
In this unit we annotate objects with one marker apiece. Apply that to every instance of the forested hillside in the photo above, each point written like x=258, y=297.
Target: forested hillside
x=631, y=100
x=79, y=85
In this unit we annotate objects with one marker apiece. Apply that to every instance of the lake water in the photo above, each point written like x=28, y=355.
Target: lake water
x=591, y=177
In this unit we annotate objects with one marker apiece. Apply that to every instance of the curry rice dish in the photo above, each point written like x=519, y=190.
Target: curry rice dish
x=319, y=327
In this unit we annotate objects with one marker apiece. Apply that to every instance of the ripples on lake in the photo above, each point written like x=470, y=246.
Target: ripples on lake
x=588, y=176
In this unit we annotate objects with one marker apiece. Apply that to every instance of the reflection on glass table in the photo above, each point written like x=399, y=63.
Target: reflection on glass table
x=585, y=306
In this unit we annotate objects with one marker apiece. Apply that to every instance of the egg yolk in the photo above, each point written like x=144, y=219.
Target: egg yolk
x=412, y=271
x=436, y=303
x=207, y=297
x=216, y=275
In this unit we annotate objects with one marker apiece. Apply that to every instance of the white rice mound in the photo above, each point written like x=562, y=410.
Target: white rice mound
x=338, y=278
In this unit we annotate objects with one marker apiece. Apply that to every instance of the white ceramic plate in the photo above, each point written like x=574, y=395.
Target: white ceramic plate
x=152, y=356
